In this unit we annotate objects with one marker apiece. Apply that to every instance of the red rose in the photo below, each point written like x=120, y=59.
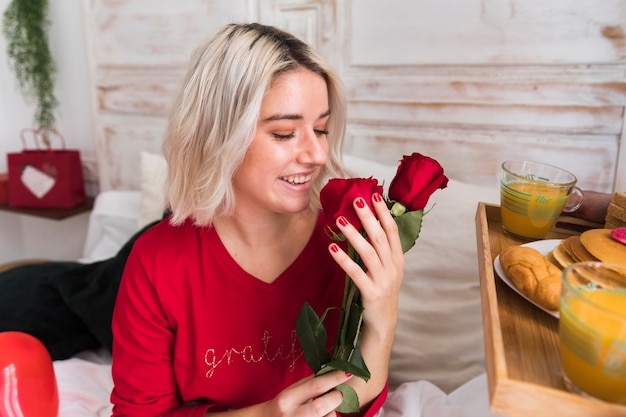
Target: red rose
x=338, y=195
x=417, y=177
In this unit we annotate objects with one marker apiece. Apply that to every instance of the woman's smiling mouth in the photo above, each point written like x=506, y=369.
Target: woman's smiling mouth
x=297, y=179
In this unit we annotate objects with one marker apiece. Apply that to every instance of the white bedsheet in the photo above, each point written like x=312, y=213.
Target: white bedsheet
x=84, y=384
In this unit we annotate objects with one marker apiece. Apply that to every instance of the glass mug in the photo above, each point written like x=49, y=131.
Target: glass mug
x=532, y=197
x=592, y=330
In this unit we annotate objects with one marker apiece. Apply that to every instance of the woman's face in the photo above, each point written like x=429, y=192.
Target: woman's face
x=289, y=147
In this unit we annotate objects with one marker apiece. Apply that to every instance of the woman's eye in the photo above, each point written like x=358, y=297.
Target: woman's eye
x=319, y=132
x=283, y=136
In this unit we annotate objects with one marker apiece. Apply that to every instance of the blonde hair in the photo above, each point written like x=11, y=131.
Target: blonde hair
x=214, y=117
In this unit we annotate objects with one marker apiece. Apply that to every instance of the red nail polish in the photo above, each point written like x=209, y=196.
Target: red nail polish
x=377, y=198
x=348, y=374
x=343, y=221
x=360, y=203
x=334, y=248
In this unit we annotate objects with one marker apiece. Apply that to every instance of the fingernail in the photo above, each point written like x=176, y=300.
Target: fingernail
x=334, y=248
x=360, y=203
x=343, y=221
x=377, y=198
x=348, y=374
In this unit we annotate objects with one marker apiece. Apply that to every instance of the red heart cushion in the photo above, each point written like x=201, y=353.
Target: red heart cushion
x=28, y=386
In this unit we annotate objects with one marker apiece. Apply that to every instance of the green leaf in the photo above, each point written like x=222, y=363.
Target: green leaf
x=409, y=226
x=355, y=366
x=354, y=324
x=350, y=402
x=312, y=336
x=358, y=362
x=25, y=27
x=397, y=209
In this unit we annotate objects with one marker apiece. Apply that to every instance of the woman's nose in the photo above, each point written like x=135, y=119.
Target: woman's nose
x=314, y=149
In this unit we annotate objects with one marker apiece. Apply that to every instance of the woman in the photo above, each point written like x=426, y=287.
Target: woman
x=204, y=322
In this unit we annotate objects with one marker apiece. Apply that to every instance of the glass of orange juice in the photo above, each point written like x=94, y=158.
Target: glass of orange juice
x=532, y=197
x=592, y=330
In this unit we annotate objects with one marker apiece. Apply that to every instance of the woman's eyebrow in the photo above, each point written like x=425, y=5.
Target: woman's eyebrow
x=325, y=114
x=291, y=116
x=282, y=117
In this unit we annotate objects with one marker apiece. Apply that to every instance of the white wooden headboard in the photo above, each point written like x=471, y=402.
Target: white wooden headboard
x=469, y=82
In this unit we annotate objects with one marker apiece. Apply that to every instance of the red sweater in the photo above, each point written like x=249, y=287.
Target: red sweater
x=192, y=330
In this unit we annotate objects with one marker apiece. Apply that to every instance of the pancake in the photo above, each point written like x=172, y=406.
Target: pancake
x=567, y=246
x=550, y=257
x=600, y=244
x=580, y=252
x=561, y=255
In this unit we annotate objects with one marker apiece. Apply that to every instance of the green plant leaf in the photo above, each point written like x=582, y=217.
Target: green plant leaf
x=409, y=226
x=25, y=26
x=350, y=402
x=397, y=209
x=356, y=367
x=312, y=336
x=354, y=324
x=357, y=361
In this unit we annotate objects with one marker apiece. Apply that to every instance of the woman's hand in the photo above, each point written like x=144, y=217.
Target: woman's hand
x=309, y=397
x=594, y=207
x=379, y=285
x=383, y=258
x=312, y=396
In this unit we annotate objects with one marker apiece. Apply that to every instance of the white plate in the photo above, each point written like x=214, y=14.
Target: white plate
x=543, y=246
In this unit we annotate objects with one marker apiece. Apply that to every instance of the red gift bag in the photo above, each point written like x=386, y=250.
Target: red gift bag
x=45, y=178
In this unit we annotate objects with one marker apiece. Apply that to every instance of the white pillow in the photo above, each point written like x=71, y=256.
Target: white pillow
x=112, y=222
x=153, y=174
x=365, y=168
x=439, y=336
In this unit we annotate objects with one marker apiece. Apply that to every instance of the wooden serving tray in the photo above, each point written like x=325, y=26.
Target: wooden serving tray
x=522, y=355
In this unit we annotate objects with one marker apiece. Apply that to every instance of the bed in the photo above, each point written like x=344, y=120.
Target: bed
x=470, y=103
x=437, y=366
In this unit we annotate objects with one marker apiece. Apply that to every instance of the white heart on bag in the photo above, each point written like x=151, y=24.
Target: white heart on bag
x=38, y=182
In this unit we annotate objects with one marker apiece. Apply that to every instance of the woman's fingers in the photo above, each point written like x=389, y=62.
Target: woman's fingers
x=380, y=280
x=388, y=223
x=313, y=396
x=326, y=404
x=382, y=248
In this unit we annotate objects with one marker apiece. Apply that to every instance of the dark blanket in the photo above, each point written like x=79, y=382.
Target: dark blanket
x=66, y=305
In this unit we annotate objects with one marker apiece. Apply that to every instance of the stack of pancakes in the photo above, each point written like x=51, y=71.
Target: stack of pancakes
x=595, y=245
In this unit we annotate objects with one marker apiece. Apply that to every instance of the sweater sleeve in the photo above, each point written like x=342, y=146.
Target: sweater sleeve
x=143, y=345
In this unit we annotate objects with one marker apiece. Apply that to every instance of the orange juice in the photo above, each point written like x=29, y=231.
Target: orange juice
x=593, y=342
x=531, y=209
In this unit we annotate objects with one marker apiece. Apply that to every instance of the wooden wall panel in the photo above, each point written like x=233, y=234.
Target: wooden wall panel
x=479, y=32
x=138, y=92
x=122, y=139
x=316, y=21
x=486, y=88
x=472, y=82
x=475, y=156
x=477, y=82
x=145, y=33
